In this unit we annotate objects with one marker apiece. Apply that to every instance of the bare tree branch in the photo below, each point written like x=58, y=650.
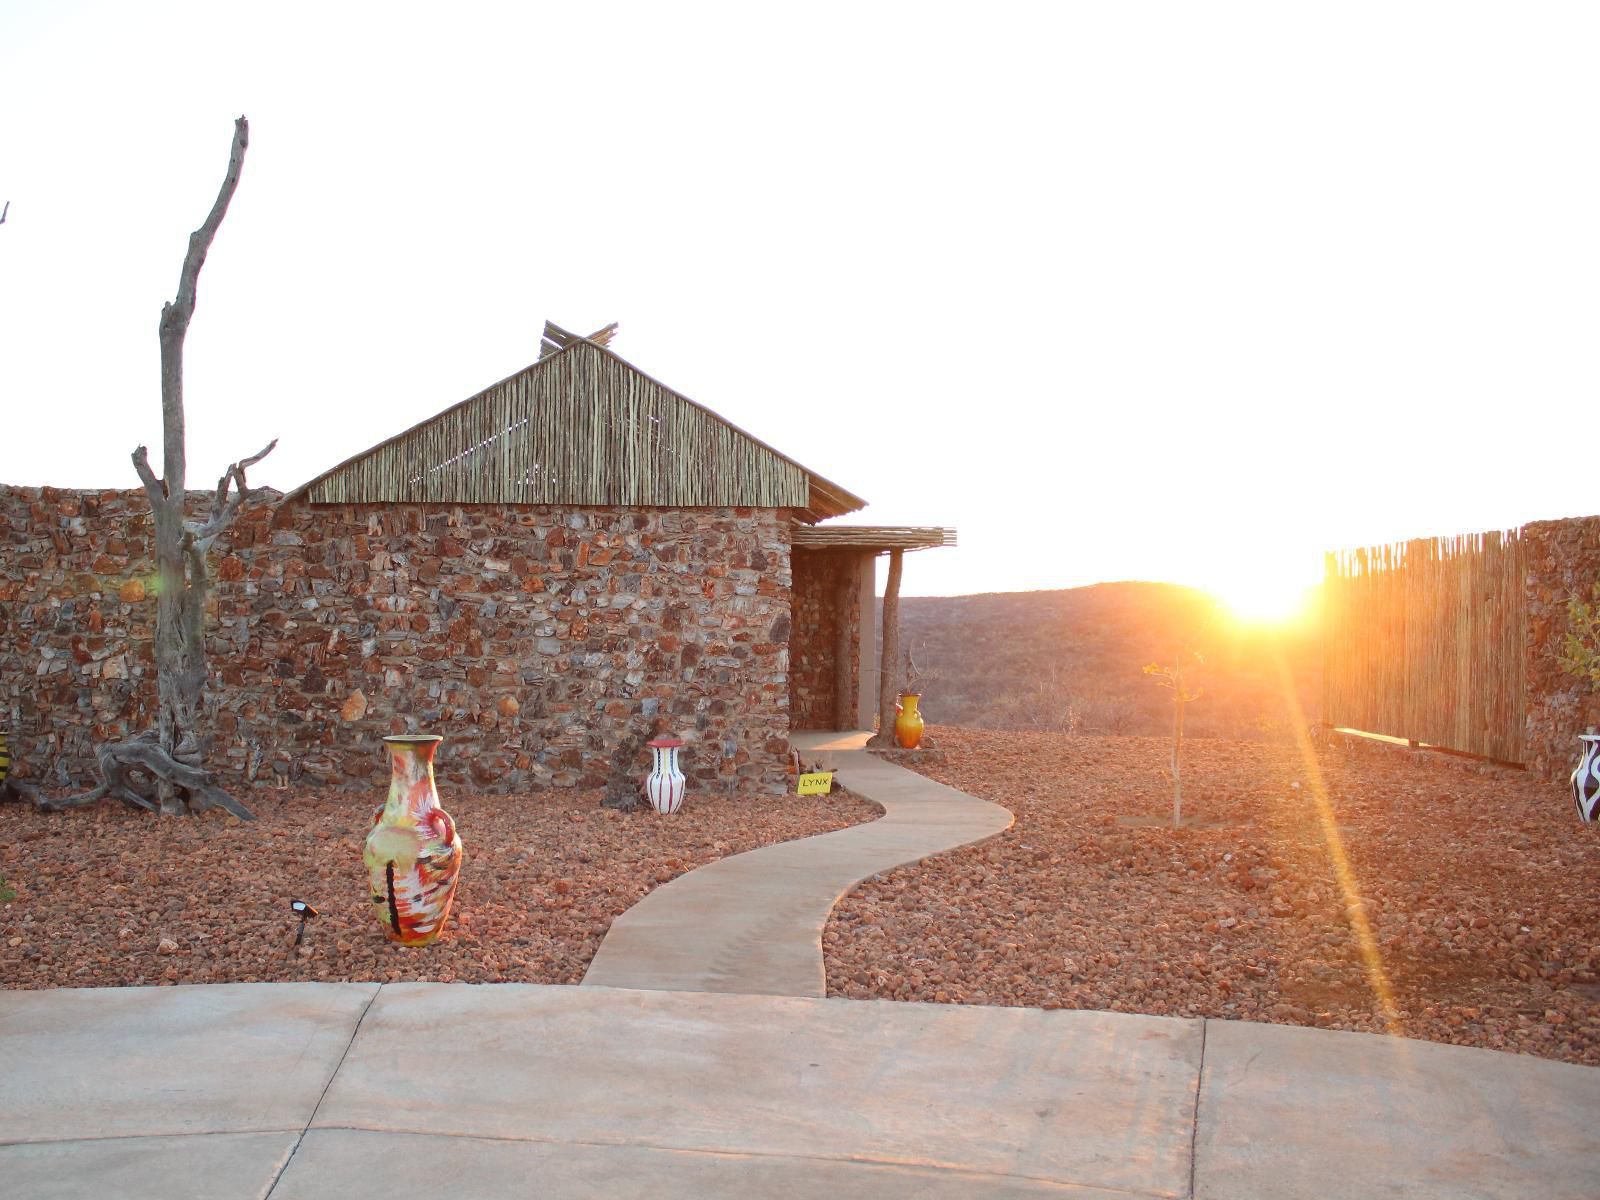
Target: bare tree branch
x=224, y=507
x=200, y=239
x=244, y=464
x=176, y=313
x=4, y=211
x=153, y=487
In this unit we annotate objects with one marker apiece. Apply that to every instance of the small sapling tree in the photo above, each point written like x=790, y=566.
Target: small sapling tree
x=1176, y=676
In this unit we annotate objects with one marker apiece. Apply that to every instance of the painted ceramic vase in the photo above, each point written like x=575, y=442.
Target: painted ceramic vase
x=1586, y=779
x=413, y=853
x=908, y=721
x=665, y=783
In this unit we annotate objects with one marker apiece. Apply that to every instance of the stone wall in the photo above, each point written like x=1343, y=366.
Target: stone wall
x=1562, y=560
x=535, y=638
x=826, y=596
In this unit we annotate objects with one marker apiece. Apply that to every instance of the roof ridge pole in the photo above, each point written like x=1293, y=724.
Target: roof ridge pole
x=891, y=653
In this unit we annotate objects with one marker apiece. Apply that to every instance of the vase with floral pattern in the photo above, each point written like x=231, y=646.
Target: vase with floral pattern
x=413, y=853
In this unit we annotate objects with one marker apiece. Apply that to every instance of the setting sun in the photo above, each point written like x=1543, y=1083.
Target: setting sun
x=1264, y=598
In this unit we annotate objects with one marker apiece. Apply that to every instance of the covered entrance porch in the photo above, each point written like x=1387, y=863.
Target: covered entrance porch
x=844, y=670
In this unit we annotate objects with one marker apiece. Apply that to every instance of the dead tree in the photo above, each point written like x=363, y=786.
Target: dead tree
x=169, y=758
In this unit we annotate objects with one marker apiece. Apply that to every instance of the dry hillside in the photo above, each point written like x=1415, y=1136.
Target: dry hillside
x=1072, y=660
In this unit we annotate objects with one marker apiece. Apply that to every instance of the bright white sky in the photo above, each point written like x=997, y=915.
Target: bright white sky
x=1125, y=290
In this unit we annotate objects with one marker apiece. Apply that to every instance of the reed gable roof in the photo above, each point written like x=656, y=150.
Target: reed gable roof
x=580, y=426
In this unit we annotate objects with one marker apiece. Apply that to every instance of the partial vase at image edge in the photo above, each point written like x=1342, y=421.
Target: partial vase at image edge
x=1586, y=779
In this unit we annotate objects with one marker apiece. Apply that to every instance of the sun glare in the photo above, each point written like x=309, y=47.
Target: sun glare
x=1264, y=599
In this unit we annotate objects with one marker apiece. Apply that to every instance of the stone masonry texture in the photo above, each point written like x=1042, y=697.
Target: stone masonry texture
x=821, y=578
x=534, y=638
x=1562, y=560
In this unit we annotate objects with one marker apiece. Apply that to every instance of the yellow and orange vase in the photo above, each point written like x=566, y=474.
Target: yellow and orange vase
x=908, y=721
x=413, y=853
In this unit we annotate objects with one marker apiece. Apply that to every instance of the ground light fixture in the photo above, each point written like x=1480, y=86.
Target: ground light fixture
x=305, y=912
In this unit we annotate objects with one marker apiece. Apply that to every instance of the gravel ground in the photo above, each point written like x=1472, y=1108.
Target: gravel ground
x=109, y=896
x=1478, y=889
x=1475, y=891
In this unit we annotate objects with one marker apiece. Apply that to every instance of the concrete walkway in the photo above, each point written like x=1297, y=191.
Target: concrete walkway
x=347, y=1091
x=752, y=923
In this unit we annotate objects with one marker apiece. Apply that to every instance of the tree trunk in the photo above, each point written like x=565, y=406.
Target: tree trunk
x=177, y=691
x=889, y=661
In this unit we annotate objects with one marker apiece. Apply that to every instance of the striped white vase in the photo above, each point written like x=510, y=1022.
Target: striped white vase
x=665, y=785
x=1586, y=779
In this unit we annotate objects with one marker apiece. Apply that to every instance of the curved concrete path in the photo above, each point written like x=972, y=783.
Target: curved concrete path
x=752, y=923
x=305, y=1091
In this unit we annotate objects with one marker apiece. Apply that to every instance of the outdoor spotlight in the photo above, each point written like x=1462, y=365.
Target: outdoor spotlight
x=306, y=913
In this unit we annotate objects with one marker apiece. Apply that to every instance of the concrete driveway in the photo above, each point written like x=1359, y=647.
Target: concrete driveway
x=301, y=1091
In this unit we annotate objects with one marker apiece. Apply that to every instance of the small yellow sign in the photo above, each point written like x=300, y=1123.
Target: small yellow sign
x=816, y=783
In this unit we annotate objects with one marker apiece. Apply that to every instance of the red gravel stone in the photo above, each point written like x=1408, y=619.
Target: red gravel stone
x=1477, y=886
x=101, y=891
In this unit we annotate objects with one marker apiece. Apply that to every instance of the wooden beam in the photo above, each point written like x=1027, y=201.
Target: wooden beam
x=872, y=537
x=889, y=663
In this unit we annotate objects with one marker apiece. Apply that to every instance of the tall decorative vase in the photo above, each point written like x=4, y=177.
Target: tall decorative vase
x=413, y=853
x=1586, y=779
x=665, y=783
x=908, y=721
x=5, y=758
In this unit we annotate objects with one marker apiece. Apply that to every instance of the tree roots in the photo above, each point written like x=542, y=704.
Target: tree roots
x=121, y=763
x=10, y=789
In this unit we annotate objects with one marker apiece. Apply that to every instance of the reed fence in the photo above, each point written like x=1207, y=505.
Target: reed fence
x=1423, y=640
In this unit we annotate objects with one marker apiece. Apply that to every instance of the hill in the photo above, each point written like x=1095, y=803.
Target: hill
x=1072, y=661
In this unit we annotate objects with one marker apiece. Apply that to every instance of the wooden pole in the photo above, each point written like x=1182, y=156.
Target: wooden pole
x=889, y=662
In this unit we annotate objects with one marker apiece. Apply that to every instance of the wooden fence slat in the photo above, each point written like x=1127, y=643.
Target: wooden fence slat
x=1424, y=640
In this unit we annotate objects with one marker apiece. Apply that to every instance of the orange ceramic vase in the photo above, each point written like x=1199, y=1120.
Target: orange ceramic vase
x=413, y=853
x=908, y=722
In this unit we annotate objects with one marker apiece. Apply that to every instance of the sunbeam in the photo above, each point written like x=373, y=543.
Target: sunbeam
x=1354, y=906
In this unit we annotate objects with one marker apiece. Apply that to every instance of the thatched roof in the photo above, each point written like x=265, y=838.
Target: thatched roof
x=580, y=426
x=876, y=538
